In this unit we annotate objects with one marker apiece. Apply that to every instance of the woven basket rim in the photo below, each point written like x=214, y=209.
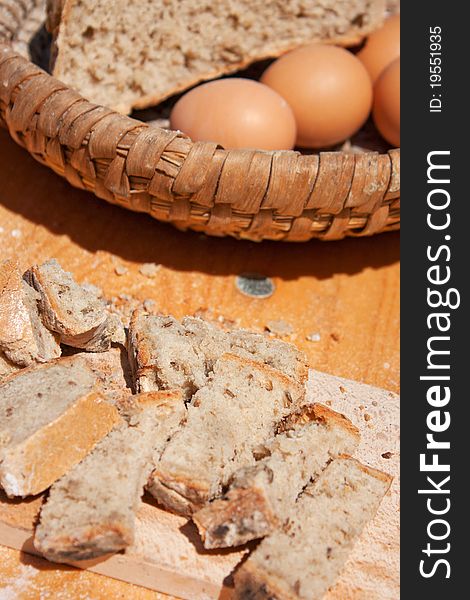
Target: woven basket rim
x=250, y=194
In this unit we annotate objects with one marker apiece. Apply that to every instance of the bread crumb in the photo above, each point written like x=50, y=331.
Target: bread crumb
x=149, y=305
x=19, y=583
x=93, y=289
x=367, y=417
x=342, y=389
x=387, y=455
x=279, y=327
x=334, y=336
x=120, y=270
x=149, y=269
x=313, y=337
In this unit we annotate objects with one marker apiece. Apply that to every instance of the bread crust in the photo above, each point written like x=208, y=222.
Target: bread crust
x=169, y=498
x=381, y=475
x=245, y=515
x=95, y=542
x=32, y=466
x=178, y=493
x=321, y=413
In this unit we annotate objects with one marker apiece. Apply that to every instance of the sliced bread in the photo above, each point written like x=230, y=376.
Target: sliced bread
x=162, y=356
x=212, y=342
x=137, y=54
x=50, y=418
x=76, y=314
x=165, y=353
x=240, y=408
x=91, y=510
x=261, y=497
x=303, y=559
x=24, y=340
x=110, y=371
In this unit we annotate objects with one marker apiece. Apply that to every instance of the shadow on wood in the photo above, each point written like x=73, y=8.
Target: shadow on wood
x=44, y=198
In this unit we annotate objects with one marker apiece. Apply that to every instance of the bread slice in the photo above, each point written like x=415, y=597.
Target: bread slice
x=304, y=558
x=91, y=510
x=212, y=342
x=261, y=497
x=24, y=340
x=166, y=354
x=50, y=417
x=110, y=372
x=239, y=409
x=137, y=54
x=162, y=356
x=79, y=317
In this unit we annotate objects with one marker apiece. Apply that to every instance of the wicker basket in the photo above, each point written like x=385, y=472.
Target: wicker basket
x=244, y=193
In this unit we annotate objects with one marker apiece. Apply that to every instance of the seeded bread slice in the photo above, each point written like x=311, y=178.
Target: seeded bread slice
x=139, y=53
x=50, y=418
x=212, y=341
x=110, y=372
x=91, y=510
x=166, y=354
x=162, y=356
x=77, y=315
x=239, y=409
x=261, y=497
x=304, y=558
x=24, y=340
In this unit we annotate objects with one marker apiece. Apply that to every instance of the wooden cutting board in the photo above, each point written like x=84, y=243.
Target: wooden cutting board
x=341, y=299
x=168, y=556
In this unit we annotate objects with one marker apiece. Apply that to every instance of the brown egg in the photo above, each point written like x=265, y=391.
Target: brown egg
x=236, y=113
x=386, y=111
x=382, y=47
x=328, y=89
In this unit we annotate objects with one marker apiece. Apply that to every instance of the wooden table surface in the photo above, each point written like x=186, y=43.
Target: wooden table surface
x=341, y=300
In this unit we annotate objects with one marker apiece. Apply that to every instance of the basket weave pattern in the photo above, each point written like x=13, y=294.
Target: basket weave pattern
x=250, y=194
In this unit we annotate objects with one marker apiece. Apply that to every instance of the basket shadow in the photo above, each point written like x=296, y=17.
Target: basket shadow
x=44, y=198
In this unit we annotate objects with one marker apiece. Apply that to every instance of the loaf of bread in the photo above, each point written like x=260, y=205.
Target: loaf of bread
x=91, y=510
x=302, y=559
x=261, y=497
x=166, y=354
x=238, y=410
x=24, y=340
x=135, y=54
x=74, y=313
x=51, y=416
